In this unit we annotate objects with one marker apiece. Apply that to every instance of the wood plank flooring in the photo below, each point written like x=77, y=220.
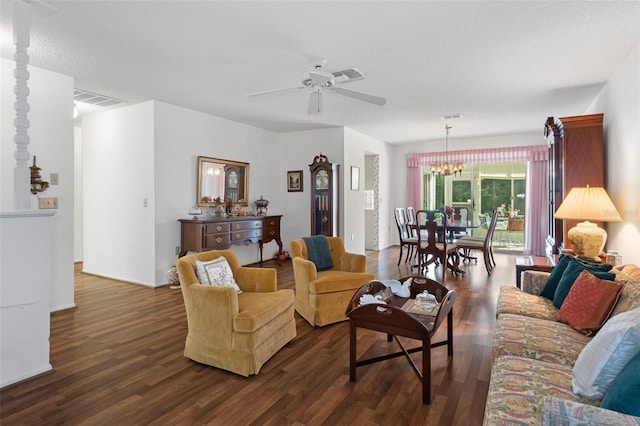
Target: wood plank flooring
x=118, y=360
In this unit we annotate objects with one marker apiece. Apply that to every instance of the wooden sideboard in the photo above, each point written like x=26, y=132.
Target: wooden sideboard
x=222, y=233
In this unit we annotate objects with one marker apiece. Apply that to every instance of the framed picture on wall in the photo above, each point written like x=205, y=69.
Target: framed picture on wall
x=355, y=178
x=294, y=181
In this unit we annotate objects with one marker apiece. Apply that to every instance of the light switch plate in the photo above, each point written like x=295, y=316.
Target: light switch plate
x=53, y=178
x=47, y=202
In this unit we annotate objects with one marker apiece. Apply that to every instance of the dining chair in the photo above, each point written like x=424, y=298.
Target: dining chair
x=461, y=214
x=406, y=239
x=485, y=245
x=411, y=221
x=432, y=246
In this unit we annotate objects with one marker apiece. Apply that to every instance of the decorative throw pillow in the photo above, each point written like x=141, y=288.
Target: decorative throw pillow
x=554, y=278
x=602, y=359
x=216, y=272
x=589, y=303
x=623, y=394
x=574, y=268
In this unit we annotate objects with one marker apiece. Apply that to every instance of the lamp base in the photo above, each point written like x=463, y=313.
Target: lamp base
x=587, y=240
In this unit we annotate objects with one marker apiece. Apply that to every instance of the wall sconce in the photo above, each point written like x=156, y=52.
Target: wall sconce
x=37, y=184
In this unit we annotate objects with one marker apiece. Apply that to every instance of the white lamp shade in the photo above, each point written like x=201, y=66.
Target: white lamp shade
x=586, y=238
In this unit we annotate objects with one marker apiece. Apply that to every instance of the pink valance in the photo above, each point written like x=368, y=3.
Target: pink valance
x=490, y=155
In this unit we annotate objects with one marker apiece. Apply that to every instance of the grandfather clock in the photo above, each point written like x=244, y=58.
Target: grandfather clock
x=324, y=196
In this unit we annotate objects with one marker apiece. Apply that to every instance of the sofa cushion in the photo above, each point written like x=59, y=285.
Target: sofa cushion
x=554, y=278
x=216, y=272
x=630, y=295
x=257, y=309
x=332, y=281
x=589, y=303
x=623, y=394
x=537, y=339
x=606, y=354
x=555, y=411
x=518, y=384
x=511, y=300
x=572, y=272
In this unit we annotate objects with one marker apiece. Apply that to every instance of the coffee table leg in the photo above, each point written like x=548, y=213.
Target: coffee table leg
x=426, y=371
x=352, y=350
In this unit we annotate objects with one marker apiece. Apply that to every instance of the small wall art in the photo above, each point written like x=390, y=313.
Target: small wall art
x=294, y=181
x=355, y=178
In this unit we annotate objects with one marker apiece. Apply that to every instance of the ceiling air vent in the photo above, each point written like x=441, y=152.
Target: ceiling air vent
x=94, y=98
x=348, y=75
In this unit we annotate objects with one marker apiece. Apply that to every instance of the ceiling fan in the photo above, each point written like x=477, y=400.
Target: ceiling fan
x=320, y=80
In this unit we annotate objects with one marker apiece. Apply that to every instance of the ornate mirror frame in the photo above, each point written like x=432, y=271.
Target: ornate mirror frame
x=219, y=181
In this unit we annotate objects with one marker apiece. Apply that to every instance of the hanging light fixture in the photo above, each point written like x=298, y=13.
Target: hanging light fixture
x=446, y=169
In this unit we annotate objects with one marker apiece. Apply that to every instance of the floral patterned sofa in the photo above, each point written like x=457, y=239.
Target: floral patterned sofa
x=534, y=354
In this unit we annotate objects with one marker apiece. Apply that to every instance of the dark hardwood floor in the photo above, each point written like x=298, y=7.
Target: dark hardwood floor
x=118, y=359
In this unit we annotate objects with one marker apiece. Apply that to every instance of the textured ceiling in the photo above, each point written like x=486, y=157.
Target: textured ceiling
x=504, y=65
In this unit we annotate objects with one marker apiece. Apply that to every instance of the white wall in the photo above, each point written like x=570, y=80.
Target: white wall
x=51, y=134
x=180, y=136
x=149, y=151
x=118, y=176
x=356, y=146
x=77, y=192
x=619, y=100
x=297, y=150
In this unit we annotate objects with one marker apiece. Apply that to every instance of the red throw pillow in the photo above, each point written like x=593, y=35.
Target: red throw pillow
x=589, y=303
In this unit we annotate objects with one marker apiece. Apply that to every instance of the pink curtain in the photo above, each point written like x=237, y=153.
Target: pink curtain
x=536, y=157
x=414, y=187
x=537, y=201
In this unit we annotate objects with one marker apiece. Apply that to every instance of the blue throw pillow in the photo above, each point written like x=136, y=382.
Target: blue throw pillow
x=572, y=271
x=622, y=395
x=556, y=273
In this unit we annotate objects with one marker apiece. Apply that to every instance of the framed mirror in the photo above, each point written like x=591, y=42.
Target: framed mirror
x=222, y=180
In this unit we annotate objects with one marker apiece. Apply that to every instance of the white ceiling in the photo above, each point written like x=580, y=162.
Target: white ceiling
x=505, y=65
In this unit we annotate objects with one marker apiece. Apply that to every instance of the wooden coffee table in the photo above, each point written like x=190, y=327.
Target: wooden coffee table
x=393, y=320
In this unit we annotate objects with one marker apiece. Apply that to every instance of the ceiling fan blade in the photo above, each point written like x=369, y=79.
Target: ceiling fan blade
x=274, y=92
x=315, y=102
x=376, y=100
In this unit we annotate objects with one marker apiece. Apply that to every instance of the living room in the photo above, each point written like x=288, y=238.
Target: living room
x=152, y=157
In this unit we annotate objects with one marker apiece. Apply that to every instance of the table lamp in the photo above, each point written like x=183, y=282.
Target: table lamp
x=586, y=238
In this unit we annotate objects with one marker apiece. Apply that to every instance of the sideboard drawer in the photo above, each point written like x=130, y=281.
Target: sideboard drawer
x=248, y=234
x=246, y=224
x=216, y=240
x=216, y=228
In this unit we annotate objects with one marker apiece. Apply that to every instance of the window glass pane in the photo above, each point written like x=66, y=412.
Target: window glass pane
x=460, y=191
x=518, y=196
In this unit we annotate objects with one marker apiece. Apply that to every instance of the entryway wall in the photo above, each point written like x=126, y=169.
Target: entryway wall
x=372, y=216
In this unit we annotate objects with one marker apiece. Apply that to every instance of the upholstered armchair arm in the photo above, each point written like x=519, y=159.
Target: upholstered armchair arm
x=556, y=411
x=304, y=269
x=260, y=280
x=533, y=282
x=210, y=312
x=351, y=262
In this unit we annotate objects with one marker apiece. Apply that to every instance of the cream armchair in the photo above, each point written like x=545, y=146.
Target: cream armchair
x=322, y=297
x=235, y=332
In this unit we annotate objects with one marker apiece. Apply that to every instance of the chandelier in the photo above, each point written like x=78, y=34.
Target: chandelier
x=446, y=169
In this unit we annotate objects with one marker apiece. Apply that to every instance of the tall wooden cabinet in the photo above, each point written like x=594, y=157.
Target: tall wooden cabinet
x=576, y=159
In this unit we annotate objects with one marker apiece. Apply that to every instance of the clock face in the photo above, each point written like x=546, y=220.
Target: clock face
x=322, y=181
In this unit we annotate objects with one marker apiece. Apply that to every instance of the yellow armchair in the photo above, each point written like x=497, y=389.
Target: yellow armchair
x=235, y=332
x=322, y=297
